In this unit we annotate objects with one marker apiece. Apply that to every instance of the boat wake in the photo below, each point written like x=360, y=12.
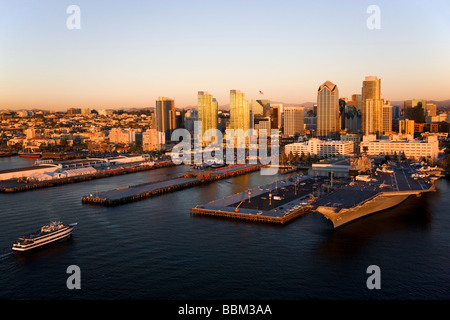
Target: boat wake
x=5, y=255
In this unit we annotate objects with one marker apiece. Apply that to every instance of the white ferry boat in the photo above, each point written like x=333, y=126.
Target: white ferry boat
x=48, y=234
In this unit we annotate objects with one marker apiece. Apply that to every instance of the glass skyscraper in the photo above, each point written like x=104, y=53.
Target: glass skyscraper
x=165, y=116
x=327, y=110
x=207, y=113
x=239, y=111
x=372, y=106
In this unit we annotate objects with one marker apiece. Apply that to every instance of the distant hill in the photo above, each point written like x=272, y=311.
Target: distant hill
x=443, y=104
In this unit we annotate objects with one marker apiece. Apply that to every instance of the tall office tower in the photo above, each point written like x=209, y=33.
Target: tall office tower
x=415, y=110
x=239, y=111
x=207, y=113
x=327, y=110
x=342, y=113
x=294, y=120
x=371, y=106
x=373, y=117
x=387, y=117
x=165, y=116
x=275, y=115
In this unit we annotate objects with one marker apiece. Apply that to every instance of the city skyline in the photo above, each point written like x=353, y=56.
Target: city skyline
x=125, y=55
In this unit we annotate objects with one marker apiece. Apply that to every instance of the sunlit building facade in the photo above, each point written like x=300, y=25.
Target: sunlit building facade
x=328, y=110
x=372, y=109
x=239, y=111
x=293, y=121
x=207, y=113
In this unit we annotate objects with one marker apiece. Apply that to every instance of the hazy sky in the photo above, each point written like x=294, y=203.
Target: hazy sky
x=127, y=53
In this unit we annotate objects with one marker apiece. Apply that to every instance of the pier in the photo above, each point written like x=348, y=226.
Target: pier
x=278, y=202
x=147, y=190
x=13, y=185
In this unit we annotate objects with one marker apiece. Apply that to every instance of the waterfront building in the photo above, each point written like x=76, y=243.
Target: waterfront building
x=321, y=148
x=207, y=113
x=165, y=116
x=294, y=120
x=327, y=110
x=416, y=149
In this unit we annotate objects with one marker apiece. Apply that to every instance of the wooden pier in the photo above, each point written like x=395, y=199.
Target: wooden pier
x=147, y=190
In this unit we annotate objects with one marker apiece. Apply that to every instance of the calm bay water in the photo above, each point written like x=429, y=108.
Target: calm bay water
x=154, y=249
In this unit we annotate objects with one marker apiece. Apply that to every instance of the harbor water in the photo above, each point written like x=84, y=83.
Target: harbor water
x=154, y=249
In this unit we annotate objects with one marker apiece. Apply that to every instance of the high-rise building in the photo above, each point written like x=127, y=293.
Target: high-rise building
x=239, y=111
x=387, y=117
x=165, y=116
x=294, y=120
x=415, y=110
x=406, y=126
x=327, y=110
x=189, y=119
x=396, y=112
x=275, y=115
x=372, y=108
x=207, y=113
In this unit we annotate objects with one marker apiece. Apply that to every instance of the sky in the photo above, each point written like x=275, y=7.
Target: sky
x=128, y=53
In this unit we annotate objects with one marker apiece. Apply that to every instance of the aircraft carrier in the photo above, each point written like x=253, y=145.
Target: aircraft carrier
x=367, y=194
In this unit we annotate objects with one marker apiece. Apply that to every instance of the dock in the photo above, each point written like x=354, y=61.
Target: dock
x=147, y=190
x=13, y=185
x=277, y=203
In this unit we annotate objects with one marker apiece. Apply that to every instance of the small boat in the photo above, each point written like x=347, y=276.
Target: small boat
x=29, y=154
